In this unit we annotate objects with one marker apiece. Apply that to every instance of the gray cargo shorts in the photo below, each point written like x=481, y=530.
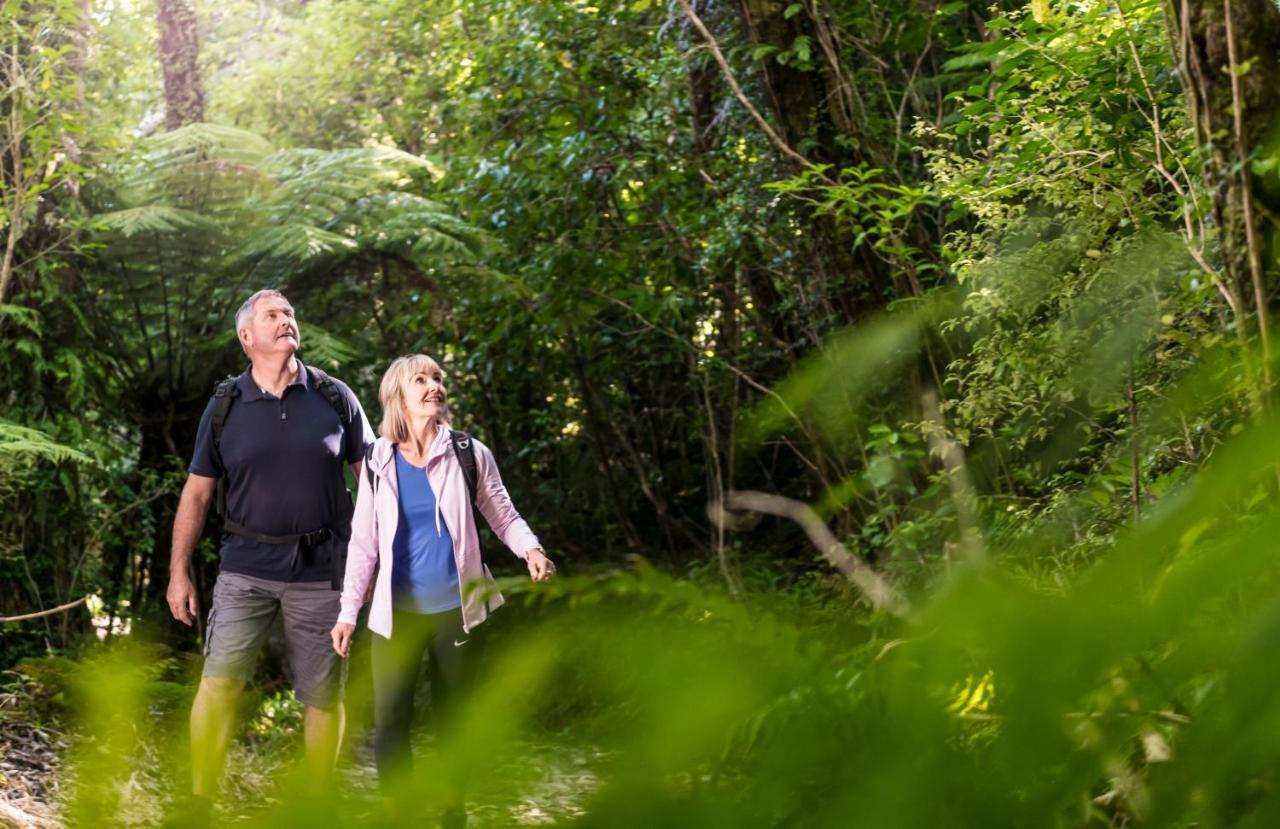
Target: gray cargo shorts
x=240, y=619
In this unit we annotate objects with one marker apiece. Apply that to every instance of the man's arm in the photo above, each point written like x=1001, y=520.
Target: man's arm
x=193, y=508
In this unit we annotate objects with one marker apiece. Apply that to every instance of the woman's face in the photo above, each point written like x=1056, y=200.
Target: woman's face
x=424, y=395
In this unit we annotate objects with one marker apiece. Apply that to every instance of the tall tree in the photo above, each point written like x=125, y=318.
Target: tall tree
x=1229, y=53
x=180, y=62
x=37, y=125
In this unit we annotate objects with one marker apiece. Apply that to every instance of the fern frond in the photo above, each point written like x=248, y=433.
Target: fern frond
x=205, y=167
x=18, y=440
x=325, y=349
x=415, y=227
x=151, y=218
x=24, y=317
x=317, y=185
x=297, y=241
x=207, y=142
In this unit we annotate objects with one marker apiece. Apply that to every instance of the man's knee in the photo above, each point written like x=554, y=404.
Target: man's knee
x=221, y=687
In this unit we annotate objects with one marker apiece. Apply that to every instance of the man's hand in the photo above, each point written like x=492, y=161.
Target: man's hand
x=540, y=567
x=182, y=598
x=193, y=506
x=341, y=635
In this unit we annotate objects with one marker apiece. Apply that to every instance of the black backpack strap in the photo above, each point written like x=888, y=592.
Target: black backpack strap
x=224, y=394
x=325, y=385
x=329, y=389
x=368, y=468
x=464, y=447
x=466, y=452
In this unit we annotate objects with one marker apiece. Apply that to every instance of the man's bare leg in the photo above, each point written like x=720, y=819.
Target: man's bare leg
x=213, y=715
x=323, y=729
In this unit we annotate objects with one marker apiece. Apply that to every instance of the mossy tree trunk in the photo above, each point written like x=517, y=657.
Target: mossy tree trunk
x=180, y=62
x=1228, y=54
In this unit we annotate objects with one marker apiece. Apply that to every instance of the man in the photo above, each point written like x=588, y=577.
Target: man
x=272, y=444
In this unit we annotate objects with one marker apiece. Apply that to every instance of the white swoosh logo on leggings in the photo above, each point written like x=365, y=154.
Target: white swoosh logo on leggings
x=458, y=644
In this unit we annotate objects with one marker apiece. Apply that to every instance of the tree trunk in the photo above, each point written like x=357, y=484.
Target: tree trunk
x=807, y=114
x=180, y=62
x=1232, y=111
x=818, y=114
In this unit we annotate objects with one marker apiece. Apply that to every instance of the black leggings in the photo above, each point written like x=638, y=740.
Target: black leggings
x=396, y=663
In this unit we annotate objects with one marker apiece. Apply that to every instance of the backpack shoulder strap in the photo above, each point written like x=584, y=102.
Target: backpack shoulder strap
x=325, y=385
x=465, y=449
x=368, y=468
x=223, y=395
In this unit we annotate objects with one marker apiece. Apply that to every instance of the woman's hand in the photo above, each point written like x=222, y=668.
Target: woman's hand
x=540, y=567
x=341, y=634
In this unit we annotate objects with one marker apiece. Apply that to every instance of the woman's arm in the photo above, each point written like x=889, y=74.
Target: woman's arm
x=495, y=505
x=362, y=554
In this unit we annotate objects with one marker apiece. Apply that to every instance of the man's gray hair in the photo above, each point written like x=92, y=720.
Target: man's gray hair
x=246, y=310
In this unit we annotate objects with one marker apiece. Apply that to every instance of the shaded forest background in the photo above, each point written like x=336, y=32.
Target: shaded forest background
x=976, y=282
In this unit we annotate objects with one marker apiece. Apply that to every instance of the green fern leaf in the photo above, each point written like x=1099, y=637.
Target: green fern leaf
x=297, y=241
x=153, y=218
x=17, y=441
x=325, y=349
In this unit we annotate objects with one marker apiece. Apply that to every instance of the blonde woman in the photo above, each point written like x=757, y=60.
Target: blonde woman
x=414, y=524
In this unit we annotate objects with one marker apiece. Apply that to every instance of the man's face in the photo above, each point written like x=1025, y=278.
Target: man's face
x=272, y=330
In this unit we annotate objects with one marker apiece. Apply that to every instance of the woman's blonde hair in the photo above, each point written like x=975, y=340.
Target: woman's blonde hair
x=395, y=426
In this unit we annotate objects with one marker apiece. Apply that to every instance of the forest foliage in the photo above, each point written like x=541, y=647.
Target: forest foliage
x=979, y=290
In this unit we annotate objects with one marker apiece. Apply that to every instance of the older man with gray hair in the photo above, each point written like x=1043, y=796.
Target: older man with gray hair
x=270, y=450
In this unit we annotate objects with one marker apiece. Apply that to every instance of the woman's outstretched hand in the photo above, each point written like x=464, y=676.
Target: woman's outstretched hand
x=540, y=567
x=341, y=634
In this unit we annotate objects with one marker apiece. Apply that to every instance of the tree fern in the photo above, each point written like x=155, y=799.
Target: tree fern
x=229, y=190
x=198, y=218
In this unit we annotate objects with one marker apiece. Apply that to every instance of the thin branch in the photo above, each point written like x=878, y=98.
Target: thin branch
x=777, y=140
x=42, y=613
x=715, y=359
x=878, y=591
x=963, y=494
x=1188, y=199
x=1246, y=197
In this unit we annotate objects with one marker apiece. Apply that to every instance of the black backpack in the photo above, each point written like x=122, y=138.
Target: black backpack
x=465, y=449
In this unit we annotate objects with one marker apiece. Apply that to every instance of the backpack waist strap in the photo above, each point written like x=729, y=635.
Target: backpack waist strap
x=310, y=539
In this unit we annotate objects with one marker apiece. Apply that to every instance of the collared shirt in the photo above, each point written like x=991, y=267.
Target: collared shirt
x=283, y=460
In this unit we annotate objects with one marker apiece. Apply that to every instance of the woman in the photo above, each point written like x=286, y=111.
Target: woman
x=415, y=527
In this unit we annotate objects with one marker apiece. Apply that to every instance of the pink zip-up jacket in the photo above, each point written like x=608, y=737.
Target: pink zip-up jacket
x=373, y=528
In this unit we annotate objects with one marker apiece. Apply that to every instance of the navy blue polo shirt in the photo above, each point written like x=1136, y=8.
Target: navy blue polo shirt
x=283, y=459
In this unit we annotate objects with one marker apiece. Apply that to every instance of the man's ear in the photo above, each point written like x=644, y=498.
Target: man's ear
x=245, y=338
